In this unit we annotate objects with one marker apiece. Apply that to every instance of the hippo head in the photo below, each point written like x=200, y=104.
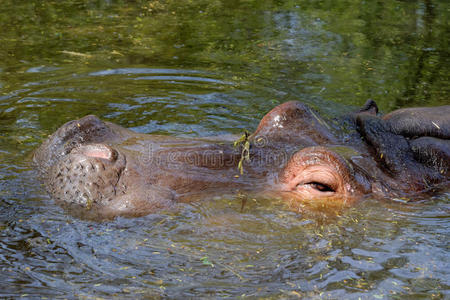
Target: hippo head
x=94, y=164
x=398, y=155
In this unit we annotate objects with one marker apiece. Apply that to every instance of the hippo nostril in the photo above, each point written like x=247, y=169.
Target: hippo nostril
x=114, y=154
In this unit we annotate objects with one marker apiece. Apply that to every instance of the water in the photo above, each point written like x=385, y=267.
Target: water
x=203, y=68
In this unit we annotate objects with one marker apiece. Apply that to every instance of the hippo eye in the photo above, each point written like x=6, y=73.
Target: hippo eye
x=321, y=187
x=318, y=180
x=316, y=172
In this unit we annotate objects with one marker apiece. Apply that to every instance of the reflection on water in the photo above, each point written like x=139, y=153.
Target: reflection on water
x=203, y=68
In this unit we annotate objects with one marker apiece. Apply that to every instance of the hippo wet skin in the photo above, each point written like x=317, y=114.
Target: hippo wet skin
x=294, y=154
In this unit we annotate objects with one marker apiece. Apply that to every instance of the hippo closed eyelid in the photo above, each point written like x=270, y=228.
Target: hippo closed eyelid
x=317, y=172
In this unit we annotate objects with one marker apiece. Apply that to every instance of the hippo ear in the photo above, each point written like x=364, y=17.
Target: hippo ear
x=420, y=121
x=294, y=122
x=370, y=107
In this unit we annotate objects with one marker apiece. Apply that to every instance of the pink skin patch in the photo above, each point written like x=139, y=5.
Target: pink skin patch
x=97, y=151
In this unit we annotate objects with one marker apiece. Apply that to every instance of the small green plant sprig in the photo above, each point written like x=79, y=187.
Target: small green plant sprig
x=244, y=143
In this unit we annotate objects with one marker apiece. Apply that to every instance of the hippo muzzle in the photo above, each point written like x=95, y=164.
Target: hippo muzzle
x=88, y=174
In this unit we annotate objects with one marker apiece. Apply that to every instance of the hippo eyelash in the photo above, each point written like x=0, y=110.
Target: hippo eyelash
x=321, y=187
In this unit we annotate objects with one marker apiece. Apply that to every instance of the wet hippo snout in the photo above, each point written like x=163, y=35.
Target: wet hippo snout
x=88, y=174
x=71, y=135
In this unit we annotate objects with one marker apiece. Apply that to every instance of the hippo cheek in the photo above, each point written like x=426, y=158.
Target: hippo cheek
x=317, y=174
x=88, y=174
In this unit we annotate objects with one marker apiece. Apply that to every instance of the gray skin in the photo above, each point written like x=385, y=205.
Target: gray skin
x=96, y=166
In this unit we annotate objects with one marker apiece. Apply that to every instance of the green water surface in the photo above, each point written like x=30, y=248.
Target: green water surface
x=211, y=67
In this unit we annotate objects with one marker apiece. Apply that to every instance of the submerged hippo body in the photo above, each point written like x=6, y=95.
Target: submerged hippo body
x=293, y=153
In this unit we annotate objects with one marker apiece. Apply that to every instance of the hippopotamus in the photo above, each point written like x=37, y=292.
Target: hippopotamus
x=293, y=154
